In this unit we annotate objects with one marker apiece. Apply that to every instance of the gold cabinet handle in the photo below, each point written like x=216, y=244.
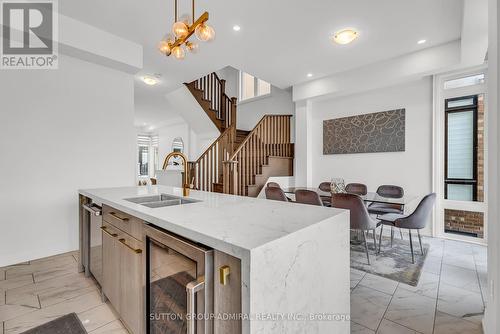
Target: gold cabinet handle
x=137, y=251
x=224, y=273
x=119, y=218
x=103, y=228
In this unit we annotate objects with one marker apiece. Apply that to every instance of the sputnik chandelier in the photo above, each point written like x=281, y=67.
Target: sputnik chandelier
x=177, y=42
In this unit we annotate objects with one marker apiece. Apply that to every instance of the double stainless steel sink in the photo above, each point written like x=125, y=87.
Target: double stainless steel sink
x=162, y=200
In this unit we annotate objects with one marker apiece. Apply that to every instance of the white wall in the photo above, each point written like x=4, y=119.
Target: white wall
x=411, y=169
x=231, y=76
x=194, y=143
x=60, y=130
x=492, y=311
x=166, y=136
x=278, y=103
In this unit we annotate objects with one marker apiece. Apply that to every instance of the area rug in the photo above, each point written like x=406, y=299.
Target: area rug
x=392, y=263
x=67, y=324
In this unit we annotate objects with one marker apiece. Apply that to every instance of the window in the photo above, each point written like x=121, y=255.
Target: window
x=461, y=172
x=471, y=80
x=147, y=160
x=251, y=87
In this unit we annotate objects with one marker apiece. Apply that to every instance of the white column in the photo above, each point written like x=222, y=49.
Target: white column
x=303, y=143
x=490, y=322
x=193, y=152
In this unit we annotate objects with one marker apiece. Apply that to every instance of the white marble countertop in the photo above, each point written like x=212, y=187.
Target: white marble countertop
x=232, y=224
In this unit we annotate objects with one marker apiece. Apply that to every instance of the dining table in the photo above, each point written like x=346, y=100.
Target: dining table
x=370, y=197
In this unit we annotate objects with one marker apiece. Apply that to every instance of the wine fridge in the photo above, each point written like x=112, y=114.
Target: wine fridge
x=179, y=284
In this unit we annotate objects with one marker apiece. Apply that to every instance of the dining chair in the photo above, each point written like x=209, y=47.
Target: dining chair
x=326, y=187
x=415, y=221
x=276, y=194
x=356, y=188
x=360, y=219
x=389, y=191
x=276, y=185
x=308, y=197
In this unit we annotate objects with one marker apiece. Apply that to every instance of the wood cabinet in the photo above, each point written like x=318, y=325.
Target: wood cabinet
x=125, y=222
x=124, y=274
x=111, y=265
x=123, y=269
x=131, y=283
x=227, y=298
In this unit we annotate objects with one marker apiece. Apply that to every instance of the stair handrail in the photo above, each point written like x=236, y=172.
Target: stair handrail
x=270, y=137
x=208, y=168
x=254, y=130
x=223, y=134
x=220, y=102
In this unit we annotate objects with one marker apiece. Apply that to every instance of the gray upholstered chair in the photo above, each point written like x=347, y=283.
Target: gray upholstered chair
x=415, y=221
x=308, y=197
x=276, y=194
x=389, y=191
x=326, y=187
x=276, y=185
x=356, y=188
x=360, y=218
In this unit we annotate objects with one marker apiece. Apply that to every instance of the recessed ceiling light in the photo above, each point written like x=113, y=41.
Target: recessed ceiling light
x=309, y=75
x=345, y=36
x=422, y=41
x=150, y=80
x=236, y=28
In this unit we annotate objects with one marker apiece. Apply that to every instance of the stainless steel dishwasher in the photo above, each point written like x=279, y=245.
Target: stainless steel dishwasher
x=93, y=255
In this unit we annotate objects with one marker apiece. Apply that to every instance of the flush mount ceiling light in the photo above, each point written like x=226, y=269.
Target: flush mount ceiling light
x=309, y=75
x=345, y=36
x=177, y=42
x=422, y=41
x=236, y=28
x=151, y=80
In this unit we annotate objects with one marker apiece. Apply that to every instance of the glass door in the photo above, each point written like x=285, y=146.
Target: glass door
x=179, y=285
x=169, y=274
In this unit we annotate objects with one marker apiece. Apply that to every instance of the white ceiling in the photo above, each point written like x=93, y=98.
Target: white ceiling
x=280, y=40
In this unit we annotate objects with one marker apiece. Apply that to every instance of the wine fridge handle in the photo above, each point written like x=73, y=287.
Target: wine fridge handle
x=192, y=288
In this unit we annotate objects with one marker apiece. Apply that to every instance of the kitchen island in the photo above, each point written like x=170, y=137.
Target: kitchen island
x=291, y=261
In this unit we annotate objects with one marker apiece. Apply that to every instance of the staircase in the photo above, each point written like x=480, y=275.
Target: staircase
x=238, y=161
x=209, y=91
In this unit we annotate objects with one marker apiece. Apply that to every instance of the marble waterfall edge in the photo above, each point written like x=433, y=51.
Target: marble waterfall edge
x=294, y=257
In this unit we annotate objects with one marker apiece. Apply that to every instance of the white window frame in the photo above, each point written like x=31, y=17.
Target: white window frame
x=255, y=87
x=153, y=159
x=438, y=159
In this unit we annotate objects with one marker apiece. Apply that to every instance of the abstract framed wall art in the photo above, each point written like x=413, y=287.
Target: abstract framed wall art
x=367, y=133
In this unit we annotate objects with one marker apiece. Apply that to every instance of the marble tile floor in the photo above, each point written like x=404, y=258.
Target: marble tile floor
x=448, y=299
x=38, y=291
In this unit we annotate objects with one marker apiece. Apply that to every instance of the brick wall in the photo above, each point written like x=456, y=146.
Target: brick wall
x=480, y=148
x=464, y=222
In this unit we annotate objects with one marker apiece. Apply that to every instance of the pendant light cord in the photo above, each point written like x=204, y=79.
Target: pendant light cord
x=175, y=10
x=193, y=13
